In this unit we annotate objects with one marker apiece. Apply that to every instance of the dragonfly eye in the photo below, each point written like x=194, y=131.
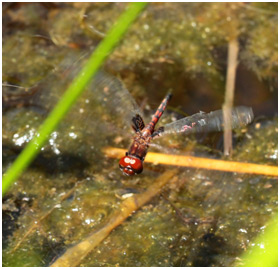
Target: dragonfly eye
x=131, y=165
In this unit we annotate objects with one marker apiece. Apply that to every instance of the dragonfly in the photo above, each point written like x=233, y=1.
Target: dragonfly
x=114, y=93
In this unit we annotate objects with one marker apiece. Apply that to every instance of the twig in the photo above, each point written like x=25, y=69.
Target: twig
x=197, y=162
x=189, y=219
x=229, y=95
x=36, y=223
x=74, y=255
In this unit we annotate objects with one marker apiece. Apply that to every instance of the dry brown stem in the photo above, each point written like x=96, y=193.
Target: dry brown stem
x=74, y=255
x=35, y=223
x=197, y=162
x=233, y=49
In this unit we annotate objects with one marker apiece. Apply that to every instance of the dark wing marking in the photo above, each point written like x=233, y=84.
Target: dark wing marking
x=213, y=121
x=138, y=123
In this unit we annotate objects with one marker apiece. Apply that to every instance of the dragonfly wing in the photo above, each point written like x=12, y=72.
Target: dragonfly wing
x=211, y=122
x=113, y=96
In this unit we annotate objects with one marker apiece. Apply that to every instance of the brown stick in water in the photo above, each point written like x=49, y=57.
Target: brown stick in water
x=74, y=255
x=197, y=162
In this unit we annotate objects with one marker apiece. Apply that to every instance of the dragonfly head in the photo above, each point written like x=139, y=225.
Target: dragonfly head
x=130, y=165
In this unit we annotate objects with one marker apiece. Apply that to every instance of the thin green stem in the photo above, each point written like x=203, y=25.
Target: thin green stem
x=72, y=93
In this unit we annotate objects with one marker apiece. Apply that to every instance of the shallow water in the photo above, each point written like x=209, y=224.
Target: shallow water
x=71, y=188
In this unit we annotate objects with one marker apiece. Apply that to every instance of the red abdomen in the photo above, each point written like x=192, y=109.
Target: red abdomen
x=157, y=115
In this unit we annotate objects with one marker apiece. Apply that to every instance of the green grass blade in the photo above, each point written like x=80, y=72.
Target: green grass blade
x=264, y=252
x=72, y=93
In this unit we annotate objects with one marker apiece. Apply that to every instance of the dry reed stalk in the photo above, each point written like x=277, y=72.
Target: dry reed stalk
x=35, y=223
x=74, y=255
x=197, y=162
x=233, y=49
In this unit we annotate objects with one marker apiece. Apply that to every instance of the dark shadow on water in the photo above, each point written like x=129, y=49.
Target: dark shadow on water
x=211, y=245
x=49, y=163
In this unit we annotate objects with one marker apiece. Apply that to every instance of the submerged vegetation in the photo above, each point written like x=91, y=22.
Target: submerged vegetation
x=202, y=218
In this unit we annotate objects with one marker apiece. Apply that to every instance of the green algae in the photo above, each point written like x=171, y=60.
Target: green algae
x=169, y=41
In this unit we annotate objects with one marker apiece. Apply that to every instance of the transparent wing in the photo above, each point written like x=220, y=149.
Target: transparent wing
x=213, y=121
x=113, y=96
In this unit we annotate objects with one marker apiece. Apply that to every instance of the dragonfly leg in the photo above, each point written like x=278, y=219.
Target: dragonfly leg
x=158, y=132
x=138, y=123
